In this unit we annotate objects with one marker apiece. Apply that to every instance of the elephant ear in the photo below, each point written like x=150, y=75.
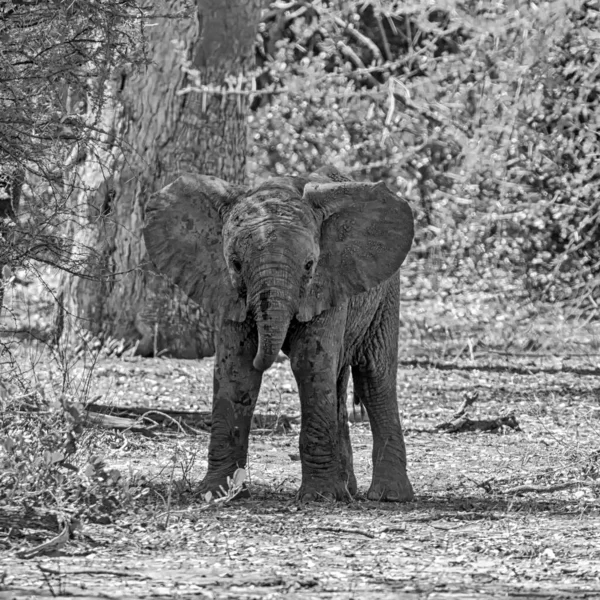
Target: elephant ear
x=366, y=234
x=183, y=235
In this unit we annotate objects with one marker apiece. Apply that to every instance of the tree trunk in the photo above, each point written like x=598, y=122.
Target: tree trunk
x=11, y=182
x=152, y=132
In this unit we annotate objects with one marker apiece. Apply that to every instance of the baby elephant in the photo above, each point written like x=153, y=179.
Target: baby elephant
x=309, y=266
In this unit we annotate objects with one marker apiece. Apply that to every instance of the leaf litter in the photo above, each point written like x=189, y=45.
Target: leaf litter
x=510, y=514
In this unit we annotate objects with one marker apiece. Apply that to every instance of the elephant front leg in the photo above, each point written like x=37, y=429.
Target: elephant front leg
x=325, y=450
x=236, y=385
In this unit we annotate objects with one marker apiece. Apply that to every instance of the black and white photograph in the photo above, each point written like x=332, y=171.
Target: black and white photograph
x=300, y=299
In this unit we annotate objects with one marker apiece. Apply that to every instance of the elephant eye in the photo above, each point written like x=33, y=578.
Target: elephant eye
x=236, y=264
x=309, y=265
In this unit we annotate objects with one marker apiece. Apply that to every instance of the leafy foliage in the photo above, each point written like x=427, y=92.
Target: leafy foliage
x=483, y=114
x=49, y=458
x=35, y=467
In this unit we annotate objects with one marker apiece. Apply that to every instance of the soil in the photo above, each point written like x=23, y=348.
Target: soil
x=509, y=514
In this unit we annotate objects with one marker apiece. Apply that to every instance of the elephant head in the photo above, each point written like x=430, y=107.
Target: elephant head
x=289, y=248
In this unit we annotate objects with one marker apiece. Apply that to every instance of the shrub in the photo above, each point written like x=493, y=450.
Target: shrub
x=484, y=115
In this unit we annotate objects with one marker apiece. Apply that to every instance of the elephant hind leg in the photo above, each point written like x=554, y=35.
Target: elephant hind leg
x=377, y=391
x=374, y=376
x=347, y=464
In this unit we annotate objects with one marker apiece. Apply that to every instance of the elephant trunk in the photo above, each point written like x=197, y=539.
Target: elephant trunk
x=269, y=346
x=273, y=313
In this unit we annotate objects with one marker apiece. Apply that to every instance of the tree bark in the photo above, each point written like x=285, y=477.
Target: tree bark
x=151, y=133
x=11, y=182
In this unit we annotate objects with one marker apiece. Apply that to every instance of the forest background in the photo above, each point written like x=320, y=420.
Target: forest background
x=482, y=114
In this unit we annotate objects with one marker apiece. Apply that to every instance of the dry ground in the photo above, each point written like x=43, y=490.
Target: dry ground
x=470, y=532
x=514, y=514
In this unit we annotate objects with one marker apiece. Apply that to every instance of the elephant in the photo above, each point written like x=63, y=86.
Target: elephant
x=308, y=266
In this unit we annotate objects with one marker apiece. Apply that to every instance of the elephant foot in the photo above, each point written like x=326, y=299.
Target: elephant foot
x=397, y=489
x=329, y=490
x=218, y=486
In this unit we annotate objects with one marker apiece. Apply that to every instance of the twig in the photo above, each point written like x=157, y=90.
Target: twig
x=548, y=489
x=486, y=485
x=390, y=529
x=343, y=530
x=359, y=37
x=349, y=52
x=459, y=516
x=440, y=528
x=445, y=366
x=213, y=505
x=284, y=5
x=121, y=423
x=162, y=414
x=197, y=431
x=513, y=353
x=386, y=44
x=459, y=353
x=89, y=572
x=170, y=494
x=470, y=399
x=56, y=542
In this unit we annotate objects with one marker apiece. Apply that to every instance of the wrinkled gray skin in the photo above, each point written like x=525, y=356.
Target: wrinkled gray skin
x=308, y=266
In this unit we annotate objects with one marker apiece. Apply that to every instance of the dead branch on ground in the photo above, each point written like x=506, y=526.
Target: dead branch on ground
x=462, y=422
x=137, y=419
x=548, y=489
